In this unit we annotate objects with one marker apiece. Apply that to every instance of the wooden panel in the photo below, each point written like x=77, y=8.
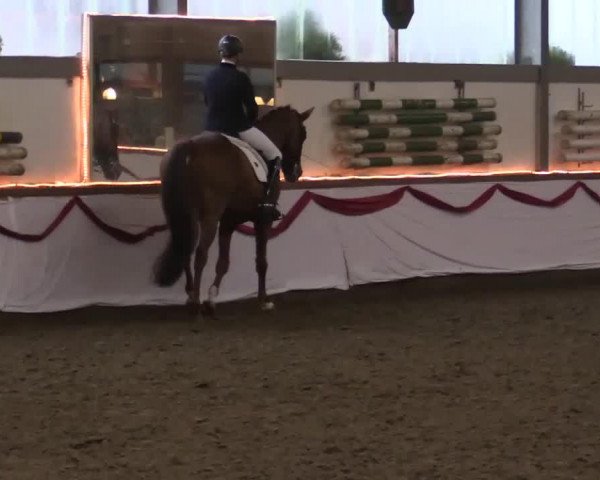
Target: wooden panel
x=153, y=38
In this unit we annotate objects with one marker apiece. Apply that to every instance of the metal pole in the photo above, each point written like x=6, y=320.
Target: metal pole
x=543, y=130
x=394, y=53
x=518, y=32
x=158, y=7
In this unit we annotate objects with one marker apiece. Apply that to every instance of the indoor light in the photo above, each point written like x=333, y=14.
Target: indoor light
x=109, y=94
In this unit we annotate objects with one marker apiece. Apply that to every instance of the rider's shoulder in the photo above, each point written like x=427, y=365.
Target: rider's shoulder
x=212, y=72
x=243, y=75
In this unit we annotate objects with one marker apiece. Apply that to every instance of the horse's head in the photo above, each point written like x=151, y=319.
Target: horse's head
x=285, y=127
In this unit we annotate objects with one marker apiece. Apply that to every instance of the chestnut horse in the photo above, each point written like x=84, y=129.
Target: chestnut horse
x=208, y=183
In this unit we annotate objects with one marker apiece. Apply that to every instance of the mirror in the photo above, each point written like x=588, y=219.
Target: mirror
x=146, y=75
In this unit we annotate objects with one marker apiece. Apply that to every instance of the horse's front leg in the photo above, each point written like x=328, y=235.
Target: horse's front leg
x=262, y=230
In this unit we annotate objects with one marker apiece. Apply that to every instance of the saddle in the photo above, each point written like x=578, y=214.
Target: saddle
x=268, y=211
x=261, y=170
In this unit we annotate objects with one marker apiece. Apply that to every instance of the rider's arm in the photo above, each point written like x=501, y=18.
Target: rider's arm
x=249, y=101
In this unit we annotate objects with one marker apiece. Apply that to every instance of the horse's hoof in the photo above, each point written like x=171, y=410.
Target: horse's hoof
x=267, y=306
x=208, y=309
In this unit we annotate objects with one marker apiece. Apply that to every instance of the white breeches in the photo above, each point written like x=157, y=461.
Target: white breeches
x=260, y=142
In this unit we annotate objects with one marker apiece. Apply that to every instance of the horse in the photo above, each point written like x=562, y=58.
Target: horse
x=106, y=142
x=107, y=131
x=208, y=187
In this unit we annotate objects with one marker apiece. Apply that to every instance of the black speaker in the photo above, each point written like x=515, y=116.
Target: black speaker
x=398, y=13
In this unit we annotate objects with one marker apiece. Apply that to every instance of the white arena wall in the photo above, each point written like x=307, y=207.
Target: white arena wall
x=79, y=264
x=515, y=110
x=563, y=96
x=47, y=112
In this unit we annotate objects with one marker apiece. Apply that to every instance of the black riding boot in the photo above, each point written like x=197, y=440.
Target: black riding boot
x=268, y=209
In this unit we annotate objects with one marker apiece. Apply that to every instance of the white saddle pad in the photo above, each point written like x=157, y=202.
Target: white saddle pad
x=256, y=160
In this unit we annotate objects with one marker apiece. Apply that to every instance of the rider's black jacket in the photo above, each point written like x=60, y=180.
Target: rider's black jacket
x=229, y=96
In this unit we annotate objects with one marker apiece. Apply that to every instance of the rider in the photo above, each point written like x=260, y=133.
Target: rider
x=232, y=110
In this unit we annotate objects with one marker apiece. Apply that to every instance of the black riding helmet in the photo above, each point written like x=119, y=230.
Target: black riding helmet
x=230, y=46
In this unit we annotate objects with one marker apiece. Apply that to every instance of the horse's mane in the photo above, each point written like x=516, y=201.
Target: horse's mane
x=276, y=109
x=271, y=120
x=273, y=112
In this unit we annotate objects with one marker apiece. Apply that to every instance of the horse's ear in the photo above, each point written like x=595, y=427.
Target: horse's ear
x=306, y=114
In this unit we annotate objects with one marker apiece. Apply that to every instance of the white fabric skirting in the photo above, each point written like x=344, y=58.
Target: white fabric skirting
x=79, y=265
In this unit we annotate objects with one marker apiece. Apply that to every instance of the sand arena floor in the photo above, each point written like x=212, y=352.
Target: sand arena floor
x=455, y=378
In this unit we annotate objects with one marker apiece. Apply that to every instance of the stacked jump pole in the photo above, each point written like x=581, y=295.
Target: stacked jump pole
x=581, y=135
x=416, y=132
x=11, y=152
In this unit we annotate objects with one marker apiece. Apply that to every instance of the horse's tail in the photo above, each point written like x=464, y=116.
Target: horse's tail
x=179, y=215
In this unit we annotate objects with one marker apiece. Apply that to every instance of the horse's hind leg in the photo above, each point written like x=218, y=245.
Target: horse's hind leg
x=189, y=278
x=225, y=233
x=189, y=282
x=208, y=230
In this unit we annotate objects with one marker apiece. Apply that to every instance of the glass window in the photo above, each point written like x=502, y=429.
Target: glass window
x=441, y=31
x=460, y=31
x=53, y=27
x=313, y=29
x=574, y=32
x=147, y=91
